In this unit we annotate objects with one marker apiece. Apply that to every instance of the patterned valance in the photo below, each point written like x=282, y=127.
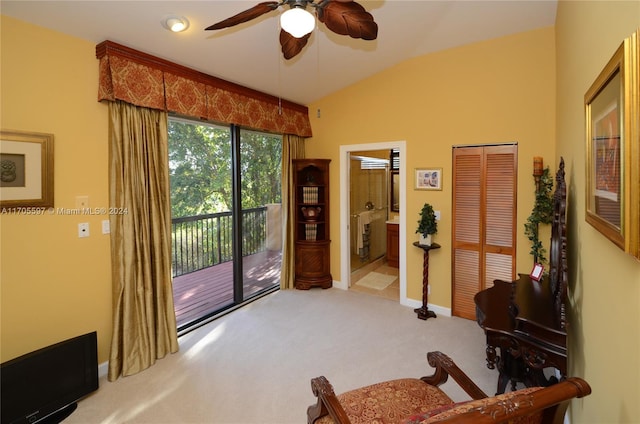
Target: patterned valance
x=144, y=80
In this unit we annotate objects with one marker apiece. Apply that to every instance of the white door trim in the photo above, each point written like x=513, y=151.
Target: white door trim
x=345, y=213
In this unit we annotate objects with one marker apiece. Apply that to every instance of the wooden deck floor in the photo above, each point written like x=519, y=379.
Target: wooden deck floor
x=203, y=292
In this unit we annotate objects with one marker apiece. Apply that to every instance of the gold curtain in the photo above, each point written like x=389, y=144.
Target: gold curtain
x=292, y=148
x=144, y=322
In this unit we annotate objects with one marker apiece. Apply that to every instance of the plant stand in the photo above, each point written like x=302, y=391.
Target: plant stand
x=423, y=312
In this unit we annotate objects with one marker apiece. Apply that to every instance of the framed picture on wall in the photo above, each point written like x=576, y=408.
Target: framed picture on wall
x=428, y=179
x=609, y=137
x=633, y=241
x=26, y=171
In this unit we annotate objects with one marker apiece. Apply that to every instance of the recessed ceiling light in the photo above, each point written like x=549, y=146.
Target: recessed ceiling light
x=175, y=23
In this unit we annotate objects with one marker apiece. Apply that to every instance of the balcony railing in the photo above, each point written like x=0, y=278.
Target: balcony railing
x=203, y=241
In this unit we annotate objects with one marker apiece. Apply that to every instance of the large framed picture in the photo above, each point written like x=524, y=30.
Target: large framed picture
x=428, y=179
x=606, y=114
x=633, y=242
x=26, y=169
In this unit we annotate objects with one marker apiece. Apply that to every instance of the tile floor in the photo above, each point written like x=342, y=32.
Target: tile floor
x=391, y=292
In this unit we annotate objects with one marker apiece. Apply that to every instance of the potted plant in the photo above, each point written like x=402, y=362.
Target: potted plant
x=427, y=225
x=542, y=213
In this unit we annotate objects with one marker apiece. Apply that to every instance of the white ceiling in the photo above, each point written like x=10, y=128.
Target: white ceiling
x=249, y=54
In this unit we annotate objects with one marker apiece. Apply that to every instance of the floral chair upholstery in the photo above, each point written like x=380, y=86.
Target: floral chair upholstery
x=420, y=401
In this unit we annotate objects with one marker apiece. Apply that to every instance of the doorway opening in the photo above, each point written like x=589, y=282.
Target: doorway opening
x=369, y=205
x=369, y=174
x=349, y=213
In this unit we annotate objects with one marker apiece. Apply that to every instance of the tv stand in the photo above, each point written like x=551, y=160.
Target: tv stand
x=60, y=415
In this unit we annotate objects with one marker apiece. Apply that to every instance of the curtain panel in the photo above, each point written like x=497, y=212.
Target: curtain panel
x=144, y=321
x=148, y=81
x=293, y=147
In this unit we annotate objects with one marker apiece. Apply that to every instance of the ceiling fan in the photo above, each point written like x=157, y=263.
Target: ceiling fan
x=344, y=17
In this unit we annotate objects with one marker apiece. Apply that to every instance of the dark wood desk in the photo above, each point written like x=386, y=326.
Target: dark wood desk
x=526, y=319
x=521, y=320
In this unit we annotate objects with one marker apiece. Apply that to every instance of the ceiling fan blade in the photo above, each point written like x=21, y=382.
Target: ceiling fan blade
x=348, y=18
x=291, y=45
x=249, y=14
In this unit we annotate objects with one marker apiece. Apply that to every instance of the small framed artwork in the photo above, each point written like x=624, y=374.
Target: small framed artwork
x=536, y=272
x=428, y=179
x=26, y=169
x=607, y=117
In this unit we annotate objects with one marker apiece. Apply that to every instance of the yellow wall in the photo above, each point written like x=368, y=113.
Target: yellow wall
x=605, y=282
x=55, y=285
x=498, y=91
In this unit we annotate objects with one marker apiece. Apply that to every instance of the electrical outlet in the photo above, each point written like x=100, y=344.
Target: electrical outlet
x=106, y=229
x=437, y=214
x=83, y=229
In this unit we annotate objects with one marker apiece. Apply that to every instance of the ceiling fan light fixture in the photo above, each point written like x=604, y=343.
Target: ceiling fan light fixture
x=175, y=23
x=297, y=22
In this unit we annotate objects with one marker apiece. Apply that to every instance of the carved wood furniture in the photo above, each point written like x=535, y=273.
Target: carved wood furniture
x=312, y=256
x=413, y=401
x=423, y=311
x=525, y=320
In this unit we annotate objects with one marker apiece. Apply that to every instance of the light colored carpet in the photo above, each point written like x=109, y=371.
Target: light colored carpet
x=377, y=281
x=254, y=365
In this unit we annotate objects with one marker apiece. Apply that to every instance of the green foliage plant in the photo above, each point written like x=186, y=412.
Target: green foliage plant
x=542, y=213
x=427, y=223
x=201, y=168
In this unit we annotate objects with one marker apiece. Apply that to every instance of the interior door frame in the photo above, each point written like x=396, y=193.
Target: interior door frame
x=345, y=213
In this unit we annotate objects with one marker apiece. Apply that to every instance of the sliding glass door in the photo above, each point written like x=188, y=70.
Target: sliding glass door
x=225, y=191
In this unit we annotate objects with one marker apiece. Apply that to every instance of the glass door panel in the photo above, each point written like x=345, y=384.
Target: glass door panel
x=260, y=193
x=200, y=175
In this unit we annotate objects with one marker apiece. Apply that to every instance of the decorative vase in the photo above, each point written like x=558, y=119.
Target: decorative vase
x=311, y=213
x=425, y=241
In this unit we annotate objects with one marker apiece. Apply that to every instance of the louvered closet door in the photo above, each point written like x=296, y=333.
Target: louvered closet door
x=484, y=217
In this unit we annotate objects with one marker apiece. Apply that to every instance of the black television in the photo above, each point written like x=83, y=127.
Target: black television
x=44, y=386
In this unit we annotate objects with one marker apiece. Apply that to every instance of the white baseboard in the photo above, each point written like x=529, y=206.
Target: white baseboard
x=439, y=310
x=340, y=285
x=103, y=369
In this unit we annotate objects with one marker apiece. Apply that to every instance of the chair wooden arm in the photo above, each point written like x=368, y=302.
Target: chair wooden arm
x=445, y=367
x=550, y=402
x=328, y=403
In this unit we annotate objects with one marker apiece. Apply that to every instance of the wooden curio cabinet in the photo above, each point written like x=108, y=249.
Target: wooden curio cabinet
x=311, y=182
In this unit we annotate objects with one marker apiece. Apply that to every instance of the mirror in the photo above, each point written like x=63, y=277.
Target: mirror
x=395, y=191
